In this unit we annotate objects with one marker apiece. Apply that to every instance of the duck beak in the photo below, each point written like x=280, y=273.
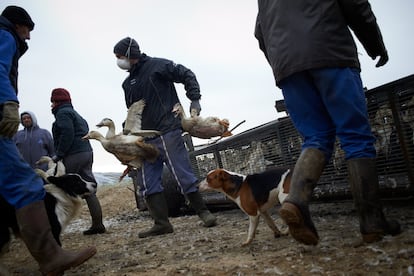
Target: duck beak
x=86, y=137
x=99, y=125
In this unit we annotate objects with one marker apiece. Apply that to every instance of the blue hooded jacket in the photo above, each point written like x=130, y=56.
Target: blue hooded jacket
x=34, y=142
x=11, y=49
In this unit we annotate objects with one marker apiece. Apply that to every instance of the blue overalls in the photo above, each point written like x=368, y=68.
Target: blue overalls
x=325, y=103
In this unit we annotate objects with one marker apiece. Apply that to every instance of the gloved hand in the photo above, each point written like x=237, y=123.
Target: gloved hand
x=196, y=106
x=10, y=119
x=382, y=60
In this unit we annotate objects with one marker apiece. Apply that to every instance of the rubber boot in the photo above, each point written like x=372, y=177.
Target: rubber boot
x=37, y=235
x=197, y=203
x=295, y=208
x=363, y=179
x=96, y=214
x=158, y=209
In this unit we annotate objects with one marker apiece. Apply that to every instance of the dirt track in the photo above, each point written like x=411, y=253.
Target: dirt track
x=195, y=250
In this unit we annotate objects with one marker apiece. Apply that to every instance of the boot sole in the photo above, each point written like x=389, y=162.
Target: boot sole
x=391, y=227
x=210, y=223
x=94, y=231
x=155, y=233
x=297, y=228
x=84, y=256
x=372, y=237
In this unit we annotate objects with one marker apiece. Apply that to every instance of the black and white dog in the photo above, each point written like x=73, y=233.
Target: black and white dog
x=63, y=201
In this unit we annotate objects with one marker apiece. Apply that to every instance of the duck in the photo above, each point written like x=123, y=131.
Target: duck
x=130, y=150
x=132, y=123
x=204, y=128
x=111, y=127
x=134, y=120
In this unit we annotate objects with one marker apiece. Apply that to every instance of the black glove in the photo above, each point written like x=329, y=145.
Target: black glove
x=382, y=60
x=195, y=105
x=10, y=119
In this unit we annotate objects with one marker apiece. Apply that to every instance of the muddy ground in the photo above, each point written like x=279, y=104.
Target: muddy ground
x=195, y=250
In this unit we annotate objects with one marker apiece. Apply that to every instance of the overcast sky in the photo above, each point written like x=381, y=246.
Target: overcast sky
x=72, y=47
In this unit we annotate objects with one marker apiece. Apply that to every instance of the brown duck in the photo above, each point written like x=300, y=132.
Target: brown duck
x=204, y=128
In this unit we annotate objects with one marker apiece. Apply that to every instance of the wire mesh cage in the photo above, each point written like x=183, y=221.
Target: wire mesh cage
x=277, y=143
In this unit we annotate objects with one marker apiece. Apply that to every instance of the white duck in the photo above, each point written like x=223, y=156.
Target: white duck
x=111, y=127
x=199, y=127
x=129, y=149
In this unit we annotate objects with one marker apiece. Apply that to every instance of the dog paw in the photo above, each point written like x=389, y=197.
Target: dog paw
x=246, y=243
x=284, y=231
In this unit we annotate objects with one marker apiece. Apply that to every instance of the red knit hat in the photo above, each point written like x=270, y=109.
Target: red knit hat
x=60, y=95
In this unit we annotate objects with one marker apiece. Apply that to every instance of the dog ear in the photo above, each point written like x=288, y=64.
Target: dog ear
x=222, y=175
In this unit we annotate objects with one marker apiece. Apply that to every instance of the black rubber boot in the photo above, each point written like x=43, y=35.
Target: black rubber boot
x=96, y=214
x=363, y=179
x=295, y=208
x=158, y=209
x=197, y=203
x=37, y=235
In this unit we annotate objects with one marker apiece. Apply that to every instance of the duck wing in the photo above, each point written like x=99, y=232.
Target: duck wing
x=133, y=121
x=146, y=133
x=130, y=150
x=147, y=151
x=141, y=152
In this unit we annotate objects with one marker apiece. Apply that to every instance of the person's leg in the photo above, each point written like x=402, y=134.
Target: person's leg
x=178, y=161
x=347, y=107
x=150, y=182
x=95, y=210
x=37, y=235
x=81, y=163
x=20, y=186
x=363, y=179
x=344, y=100
x=312, y=121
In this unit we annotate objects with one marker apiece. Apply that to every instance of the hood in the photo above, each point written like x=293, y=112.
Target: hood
x=34, y=119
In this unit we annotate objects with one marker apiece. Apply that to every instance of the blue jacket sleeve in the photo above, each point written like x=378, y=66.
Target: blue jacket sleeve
x=8, y=48
x=181, y=74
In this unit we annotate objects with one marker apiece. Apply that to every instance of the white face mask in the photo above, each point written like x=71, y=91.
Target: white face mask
x=123, y=63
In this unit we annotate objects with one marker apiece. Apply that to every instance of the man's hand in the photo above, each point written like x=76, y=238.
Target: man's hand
x=195, y=105
x=382, y=60
x=10, y=119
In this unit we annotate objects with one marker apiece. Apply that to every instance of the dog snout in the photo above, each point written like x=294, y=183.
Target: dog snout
x=203, y=186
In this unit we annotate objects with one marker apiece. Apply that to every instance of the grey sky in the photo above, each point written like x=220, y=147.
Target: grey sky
x=72, y=43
